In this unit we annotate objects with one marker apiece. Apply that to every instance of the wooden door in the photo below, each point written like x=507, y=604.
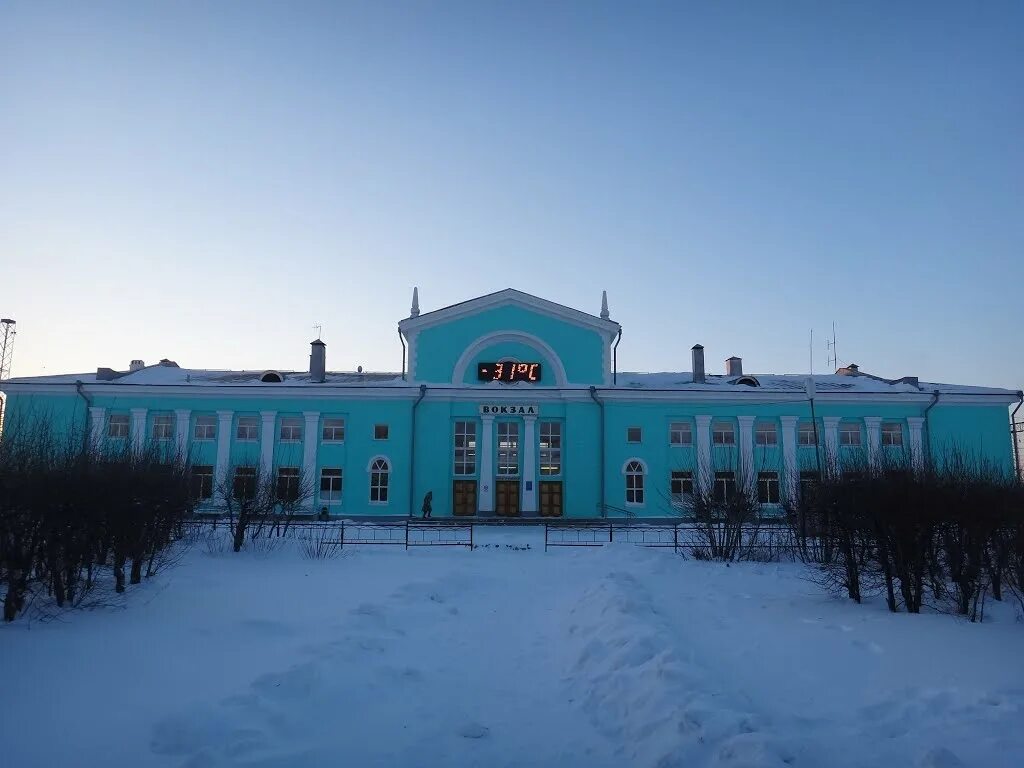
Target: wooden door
x=464, y=497
x=551, y=498
x=507, y=498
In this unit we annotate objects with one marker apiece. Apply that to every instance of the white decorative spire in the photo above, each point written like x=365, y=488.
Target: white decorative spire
x=604, y=305
x=415, y=310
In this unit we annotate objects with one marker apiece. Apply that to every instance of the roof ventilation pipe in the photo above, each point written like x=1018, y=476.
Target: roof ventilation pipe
x=317, y=362
x=734, y=366
x=136, y=365
x=698, y=363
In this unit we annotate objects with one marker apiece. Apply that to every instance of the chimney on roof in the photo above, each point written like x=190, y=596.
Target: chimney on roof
x=851, y=370
x=317, y=361
x=136, y=365
x=698, y=363
x=734, y=366
x=414, y=310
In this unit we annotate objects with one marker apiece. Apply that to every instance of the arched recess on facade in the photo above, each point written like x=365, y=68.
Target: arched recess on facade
x=500, y=337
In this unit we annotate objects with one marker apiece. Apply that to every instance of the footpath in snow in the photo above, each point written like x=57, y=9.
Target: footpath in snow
x=503, y=656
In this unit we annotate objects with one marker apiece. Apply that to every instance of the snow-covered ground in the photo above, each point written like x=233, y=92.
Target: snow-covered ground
x=615, y=656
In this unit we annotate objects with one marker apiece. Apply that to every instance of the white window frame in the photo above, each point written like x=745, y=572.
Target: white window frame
x=892, y=434
x=380, y=480
x=333, y=426
x=123, y=421
x=163, y=426
x=294, y=475
x=635, y=472
x=290, y=430
x=847, y=428
x=680, y=433
x=766, y=433
x=508, y=448
x=251, y=425
x=207, y=474
x=725, y=430
x=769, y=480
x=726, y=478
x=332, y=495
x=464, y=455
x=681, y=476
x=805, y=433
x=550, y=453
x=205, y=428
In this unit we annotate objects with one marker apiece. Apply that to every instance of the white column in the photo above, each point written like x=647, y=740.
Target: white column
x=138, y=428
x=832, y=444
x=223, y=448
x=790, y=470
x=746, y=458
x=705, y=476
x=267, y=441
x=915, y=425
x=97, y=419
x=486, y=492
x=874, y=429
x=181, y=431
x=529, y=502
x=310, y=441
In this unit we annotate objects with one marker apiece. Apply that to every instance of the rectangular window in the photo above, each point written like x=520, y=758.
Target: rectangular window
x=291, y=429
x=163, y=427
x=805, y=433
x=680, y=433
x=550, y=448
x=725, y=487
x=766, y=433
x=465, y=447
x=849, y=433
x=380, y=431
x=892, y=433
x=681, y=486
x=206, y=428
x=202, y=482
x=808, y=483
x=248, y=428
x=722, y=433
x=768, y=487
x=334, y=431
x=244, y=485
x=288, y=484
x=117, y=425
x=633, y=434
x=330, y=485
x=508, y=448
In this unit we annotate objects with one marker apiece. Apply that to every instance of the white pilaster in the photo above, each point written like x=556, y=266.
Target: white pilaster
x=97, y=420
x=747, y=475
x=486, y=492
x=873, y=424
x=915, y=426
x=138, y=428
x=267, y=435
x=529, y=500
x=181, y=431
x=310, y=440
x=223, y=448
x=831, y=444
x=790, y=470
x=705, y=476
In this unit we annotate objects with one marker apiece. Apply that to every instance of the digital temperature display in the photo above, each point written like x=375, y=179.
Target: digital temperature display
x=508, y=371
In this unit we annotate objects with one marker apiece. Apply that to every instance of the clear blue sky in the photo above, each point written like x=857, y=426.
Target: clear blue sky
x=205, y=181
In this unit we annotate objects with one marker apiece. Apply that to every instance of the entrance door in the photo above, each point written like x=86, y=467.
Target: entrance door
x=464, y=497
x=506, y=498
x=551, y=498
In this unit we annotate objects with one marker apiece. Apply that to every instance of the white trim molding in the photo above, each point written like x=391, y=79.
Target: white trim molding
x=507, y=336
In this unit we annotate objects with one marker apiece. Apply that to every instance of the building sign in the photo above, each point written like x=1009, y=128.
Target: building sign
x=508, y=371
x=508, y=410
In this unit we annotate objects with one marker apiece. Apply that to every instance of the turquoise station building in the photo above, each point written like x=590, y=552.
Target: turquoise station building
x=512, y=405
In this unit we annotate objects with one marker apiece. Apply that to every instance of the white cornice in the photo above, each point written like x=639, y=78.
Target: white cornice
x=509, y=296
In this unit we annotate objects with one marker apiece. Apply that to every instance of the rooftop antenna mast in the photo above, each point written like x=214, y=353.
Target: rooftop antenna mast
x=810, y=348
x=7, y=333
x=833, y=357
x=319, y=329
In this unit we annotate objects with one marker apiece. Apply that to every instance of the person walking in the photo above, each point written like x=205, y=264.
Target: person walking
x=427, y=504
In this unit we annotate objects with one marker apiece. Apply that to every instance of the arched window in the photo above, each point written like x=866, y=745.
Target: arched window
x=272, y=377
x=380, y=472
x=635, y=482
